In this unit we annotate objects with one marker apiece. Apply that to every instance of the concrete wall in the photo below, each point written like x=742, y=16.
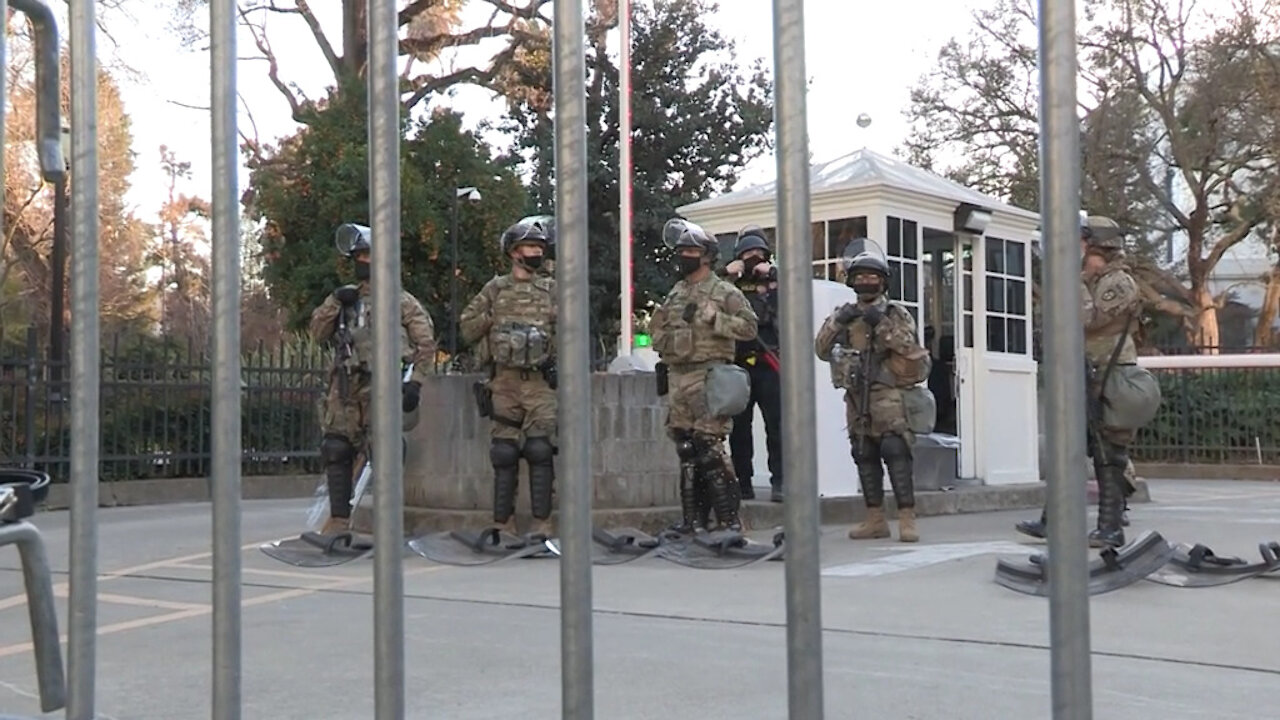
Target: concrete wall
x=634, y=465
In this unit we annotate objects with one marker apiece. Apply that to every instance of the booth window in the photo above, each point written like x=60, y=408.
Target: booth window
x=1007, y=309
x=829, y=240
x=902, y=246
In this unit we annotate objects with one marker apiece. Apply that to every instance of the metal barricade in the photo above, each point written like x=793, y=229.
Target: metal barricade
x=1069, y=620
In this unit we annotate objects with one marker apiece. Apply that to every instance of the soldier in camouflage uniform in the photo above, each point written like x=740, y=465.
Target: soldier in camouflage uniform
x=512, y=321
x=696, y=327
x=346, y=407
x=878, y=431
x=1111, y=305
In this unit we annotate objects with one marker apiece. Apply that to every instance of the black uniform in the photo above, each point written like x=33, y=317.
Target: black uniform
x=760, y=358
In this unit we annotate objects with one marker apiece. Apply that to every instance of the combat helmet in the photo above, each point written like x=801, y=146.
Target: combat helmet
x=1102, y=232
x=751, y=237
x=680, y=233
x=352, y=238
x=539, y=229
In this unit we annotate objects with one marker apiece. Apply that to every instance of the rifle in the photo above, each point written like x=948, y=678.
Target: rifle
x=861, y=377
x=343, y=353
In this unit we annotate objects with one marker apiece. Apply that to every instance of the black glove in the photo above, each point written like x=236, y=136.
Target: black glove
x=410, y=393
x=872, y=315
x=848, y=314
x=347, y=294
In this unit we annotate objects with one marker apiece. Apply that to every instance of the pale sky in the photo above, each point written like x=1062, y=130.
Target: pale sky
x=862, y=57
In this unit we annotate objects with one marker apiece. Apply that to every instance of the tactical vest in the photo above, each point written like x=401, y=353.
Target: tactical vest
x=889, y=369
x=524, y=316
x=1101, y=342
x=686, y=342
x=360, y=323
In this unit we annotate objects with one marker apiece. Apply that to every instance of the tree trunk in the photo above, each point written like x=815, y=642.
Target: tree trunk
x=1262, y=336
x=1206, y=329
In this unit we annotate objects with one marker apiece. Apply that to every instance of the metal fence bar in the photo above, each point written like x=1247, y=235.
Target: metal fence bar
x=85, y=378
x=799, y=436
x=1064, y=353
x=42, y=610
x=384, y=201
x=225, y=449
x=577, y=681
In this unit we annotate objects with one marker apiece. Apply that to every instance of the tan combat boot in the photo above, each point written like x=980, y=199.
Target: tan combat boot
x=907, y=525
x=335, y=526
x=541, y=527
x=875, y=526
x=508, y=527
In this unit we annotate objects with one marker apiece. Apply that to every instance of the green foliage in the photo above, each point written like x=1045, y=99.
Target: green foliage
x=696, y=122
x=318, y=179
x=1209, y=416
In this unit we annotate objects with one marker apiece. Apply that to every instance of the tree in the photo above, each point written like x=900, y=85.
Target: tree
x=26, y=273
x=428, y=29
x=697, y=123
x=185, y=289
x=317, y=179
x=1169, y=149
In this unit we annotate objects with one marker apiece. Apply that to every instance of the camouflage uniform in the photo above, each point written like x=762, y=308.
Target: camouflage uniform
x=695, y=328
x=1111, y=304
x=346, y=419
x=512, y=322
x=880, y=430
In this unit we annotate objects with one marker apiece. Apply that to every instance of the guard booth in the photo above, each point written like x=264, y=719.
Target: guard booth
x=961, y=263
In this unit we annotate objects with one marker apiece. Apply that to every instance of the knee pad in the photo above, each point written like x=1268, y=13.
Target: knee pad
x=538, y=451
x=336, y=449
x=504, y=453
x=894, y=446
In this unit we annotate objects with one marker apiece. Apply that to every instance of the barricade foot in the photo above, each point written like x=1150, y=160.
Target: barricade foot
x=622, y=545
x=1195, y=566
x=481, y=547
x=719, y=550
x=1113, y=569
x=316, y=550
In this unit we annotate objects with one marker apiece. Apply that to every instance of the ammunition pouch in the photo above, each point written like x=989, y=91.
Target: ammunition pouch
x=660, y=372
x=519, y=345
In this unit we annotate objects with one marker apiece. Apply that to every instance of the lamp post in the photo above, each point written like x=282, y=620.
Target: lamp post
x=57, y=353
x=472, y=195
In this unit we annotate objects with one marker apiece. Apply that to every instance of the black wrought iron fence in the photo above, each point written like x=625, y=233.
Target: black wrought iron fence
x=1214, y=416
x=155, y=408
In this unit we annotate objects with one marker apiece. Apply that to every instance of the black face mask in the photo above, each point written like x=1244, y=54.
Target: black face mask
x=865, y=289
x=531, y=262
x=749, y=265
x=688, y=265
x=362, y=271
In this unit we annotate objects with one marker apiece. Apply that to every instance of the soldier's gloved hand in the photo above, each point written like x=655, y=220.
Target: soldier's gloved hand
x=411, y=392
x=690, y=311
x=848, y=314
x=347, y=294
x=872, y=315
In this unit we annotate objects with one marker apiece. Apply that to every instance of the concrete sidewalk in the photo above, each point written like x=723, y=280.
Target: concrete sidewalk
x=911, y=632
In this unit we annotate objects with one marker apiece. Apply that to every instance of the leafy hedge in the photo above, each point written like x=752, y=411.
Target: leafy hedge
x=1214, y=416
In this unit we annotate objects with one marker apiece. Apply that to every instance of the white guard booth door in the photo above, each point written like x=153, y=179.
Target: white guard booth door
x=1006, y=389
x=965, y=386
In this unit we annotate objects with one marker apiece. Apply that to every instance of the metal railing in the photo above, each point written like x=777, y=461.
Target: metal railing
x=1069, y=602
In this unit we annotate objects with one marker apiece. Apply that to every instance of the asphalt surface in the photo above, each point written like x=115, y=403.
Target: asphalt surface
x=912, y=632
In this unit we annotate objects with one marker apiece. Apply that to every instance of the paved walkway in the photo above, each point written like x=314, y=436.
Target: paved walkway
x=912, y=632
